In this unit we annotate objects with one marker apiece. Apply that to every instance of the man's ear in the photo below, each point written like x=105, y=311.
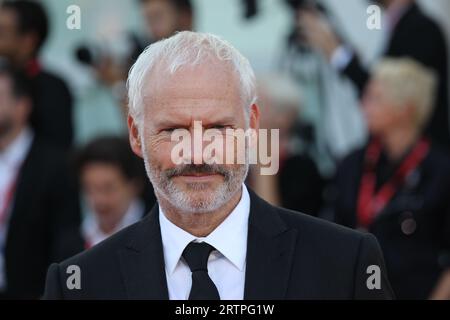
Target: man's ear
x=135, y=137
x=254, y=117
x=254, y=124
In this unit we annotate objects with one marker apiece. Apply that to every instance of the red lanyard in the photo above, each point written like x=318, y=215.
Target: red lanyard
x=370, y=204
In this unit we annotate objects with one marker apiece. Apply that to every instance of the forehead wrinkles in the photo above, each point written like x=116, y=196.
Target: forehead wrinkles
x=192, y=81
x=191, y=88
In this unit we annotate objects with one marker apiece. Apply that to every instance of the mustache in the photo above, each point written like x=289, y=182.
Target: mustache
x=188, y=169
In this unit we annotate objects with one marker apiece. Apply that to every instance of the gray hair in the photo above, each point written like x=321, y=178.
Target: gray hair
x=407, y=81
x=188, y=48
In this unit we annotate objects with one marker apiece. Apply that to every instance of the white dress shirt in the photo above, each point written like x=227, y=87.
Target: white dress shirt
x=226, y=266
x=11, y=160
x=93, y=234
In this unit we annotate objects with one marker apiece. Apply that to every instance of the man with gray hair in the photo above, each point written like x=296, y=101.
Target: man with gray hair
x=210, y=237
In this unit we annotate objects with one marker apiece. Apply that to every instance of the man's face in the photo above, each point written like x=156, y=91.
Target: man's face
x=208, y=93
x=108, y=192
x=9, y=109
x=9, y=35
x=161, y=17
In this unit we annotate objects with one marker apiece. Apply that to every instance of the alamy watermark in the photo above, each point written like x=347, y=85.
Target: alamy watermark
x=373, y=21
x=227, y=146
x=374, y=280
x=73, y=21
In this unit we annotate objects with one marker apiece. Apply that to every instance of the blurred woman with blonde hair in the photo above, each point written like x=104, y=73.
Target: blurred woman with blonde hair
x=396, y=187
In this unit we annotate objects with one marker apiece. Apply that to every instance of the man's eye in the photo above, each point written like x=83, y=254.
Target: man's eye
x=221, y=127
x=168, y=130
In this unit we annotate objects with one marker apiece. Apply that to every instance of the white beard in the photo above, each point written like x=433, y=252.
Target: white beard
x=205, y=200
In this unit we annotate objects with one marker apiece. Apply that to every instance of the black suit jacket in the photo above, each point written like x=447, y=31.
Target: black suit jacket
x=51, y=117
x=43, y=213
x=289, y=256
x=418, y=37
x=301, y=185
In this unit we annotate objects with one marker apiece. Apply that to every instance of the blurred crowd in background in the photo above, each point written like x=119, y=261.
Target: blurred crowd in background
x=365, y=145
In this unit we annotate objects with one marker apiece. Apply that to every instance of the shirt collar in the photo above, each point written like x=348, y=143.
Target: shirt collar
x=91, y=228
x=229, y=238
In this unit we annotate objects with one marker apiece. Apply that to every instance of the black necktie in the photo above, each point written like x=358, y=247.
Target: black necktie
x=196, y=256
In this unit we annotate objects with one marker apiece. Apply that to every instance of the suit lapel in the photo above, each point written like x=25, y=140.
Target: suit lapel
x=142, y=261
x=270, y=250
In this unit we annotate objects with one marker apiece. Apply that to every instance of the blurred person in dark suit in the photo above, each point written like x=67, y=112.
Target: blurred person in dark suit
x=24, y=27
x=37, y=204
x=209, y=237
x=112, y=181
x=397, y=186
x=298, y=184
x=410, y=33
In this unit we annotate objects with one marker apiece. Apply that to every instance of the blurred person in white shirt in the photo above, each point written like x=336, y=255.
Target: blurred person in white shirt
x=111, y=185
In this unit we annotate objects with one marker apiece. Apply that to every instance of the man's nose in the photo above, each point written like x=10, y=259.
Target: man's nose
x=197, y=145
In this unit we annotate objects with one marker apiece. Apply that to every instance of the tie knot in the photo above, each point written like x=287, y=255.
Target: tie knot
x=196, y=255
